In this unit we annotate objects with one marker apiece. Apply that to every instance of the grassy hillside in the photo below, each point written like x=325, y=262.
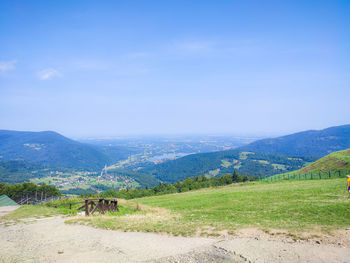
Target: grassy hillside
x=316, y=143
x=334, y=165
x=291, y=205
x=335, y=161
x=219, y=163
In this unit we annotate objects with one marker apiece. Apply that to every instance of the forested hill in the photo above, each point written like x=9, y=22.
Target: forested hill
x=316, y=143
x=49, y=147
x=218, y=163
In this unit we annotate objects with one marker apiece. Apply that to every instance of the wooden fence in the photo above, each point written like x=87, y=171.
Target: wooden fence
x=90, y=206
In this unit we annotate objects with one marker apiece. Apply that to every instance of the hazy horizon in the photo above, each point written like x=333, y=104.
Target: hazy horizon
x=118, y=68
x=130, y=135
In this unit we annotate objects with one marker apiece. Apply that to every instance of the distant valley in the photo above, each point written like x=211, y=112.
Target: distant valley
x=94, y=165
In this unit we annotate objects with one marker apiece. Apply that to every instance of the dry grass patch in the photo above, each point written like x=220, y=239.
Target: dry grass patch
x=141, y=218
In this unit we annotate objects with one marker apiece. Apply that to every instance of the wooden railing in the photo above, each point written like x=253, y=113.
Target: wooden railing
x=92, y=205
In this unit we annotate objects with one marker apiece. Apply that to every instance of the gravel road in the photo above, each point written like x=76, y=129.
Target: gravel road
x=51, y=240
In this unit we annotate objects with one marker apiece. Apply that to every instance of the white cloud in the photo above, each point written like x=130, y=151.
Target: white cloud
x=7, y=65
x=49, y=73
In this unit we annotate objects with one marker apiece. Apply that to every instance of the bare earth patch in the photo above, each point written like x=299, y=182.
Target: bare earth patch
x=51, y=240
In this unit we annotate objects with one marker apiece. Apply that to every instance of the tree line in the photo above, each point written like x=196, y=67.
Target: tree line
x=24, y=190
x=179, y=187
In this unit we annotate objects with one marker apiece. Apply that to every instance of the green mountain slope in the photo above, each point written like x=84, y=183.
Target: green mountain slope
x=28, y=155
x=20, y=171
x=335, y=161
x=218, y=163
x=316, y=143
x=50, y=148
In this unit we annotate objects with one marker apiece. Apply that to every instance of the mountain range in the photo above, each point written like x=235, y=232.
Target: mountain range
x=317, y=143
x=264, y=157
x=21, y=153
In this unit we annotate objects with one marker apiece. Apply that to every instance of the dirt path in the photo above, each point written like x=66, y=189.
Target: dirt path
x=4, y=210
x=51, y=240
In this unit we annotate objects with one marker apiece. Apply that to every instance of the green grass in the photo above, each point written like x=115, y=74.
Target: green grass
x=295, y=206
x=145, y=219
x=47, y=210
x=31, y=211
x=335, y=161
x=336, y=164
x=318, y=175
x=225, y=163
x=278, y=166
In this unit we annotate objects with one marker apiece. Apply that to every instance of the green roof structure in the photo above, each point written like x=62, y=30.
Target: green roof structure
x=6, y=201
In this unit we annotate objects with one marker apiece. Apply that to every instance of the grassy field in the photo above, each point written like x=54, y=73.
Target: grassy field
x=296, y=206
x=48, y=210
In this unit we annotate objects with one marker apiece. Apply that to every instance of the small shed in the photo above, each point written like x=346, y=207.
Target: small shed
x=7, y=201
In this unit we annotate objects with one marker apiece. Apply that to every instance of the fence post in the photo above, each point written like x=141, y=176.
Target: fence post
x=115, y=208
x=86, y=207
x=106, y=205
x=100, y=202
x=329, y=174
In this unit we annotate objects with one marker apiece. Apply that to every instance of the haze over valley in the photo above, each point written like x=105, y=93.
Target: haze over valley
x=175, y=131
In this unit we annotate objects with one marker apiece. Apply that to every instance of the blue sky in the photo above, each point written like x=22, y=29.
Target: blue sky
x=174, y=67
